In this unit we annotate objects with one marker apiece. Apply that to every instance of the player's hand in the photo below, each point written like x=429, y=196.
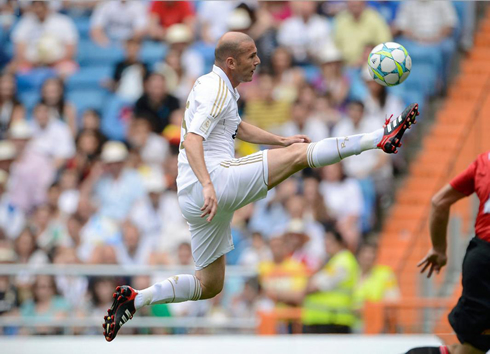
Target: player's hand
x=210, y=202
x=295, y=139
x=433, y=261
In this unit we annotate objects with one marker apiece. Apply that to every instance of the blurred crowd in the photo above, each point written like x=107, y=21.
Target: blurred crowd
x=92, y=95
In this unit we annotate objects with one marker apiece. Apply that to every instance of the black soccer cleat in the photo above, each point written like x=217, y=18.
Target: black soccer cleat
x=394, y=129
x=121, y=311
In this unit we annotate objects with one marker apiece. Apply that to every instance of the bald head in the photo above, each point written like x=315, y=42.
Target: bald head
x=230, y=45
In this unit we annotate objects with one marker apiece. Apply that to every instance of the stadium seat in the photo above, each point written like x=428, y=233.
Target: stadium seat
x=115, y=117
x=153, y=52
x=29, y=99
x=83, y=27
x=90, y=54
x=89, y=77
x=85, y=99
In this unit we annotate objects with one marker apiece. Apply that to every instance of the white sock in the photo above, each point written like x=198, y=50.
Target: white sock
x=332, y=150
x=179, y=288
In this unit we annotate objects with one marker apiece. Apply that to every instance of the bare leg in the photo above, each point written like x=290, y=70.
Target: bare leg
x=285, y=162
x=212, y=278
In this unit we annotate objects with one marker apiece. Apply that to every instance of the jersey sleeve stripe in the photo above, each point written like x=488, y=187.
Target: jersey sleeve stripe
x=223, y=103
x=218, y=97
x=221, y=100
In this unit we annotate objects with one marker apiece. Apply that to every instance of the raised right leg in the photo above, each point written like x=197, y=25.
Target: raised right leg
x=283, y=163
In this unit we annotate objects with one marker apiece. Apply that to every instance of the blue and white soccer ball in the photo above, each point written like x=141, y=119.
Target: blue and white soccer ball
x=389, y=64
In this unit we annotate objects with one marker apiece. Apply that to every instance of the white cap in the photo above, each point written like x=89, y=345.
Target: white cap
x=20, y=130
x=114, y=151
x=296, y=226
x=329, y=54
x=7, y=150
x=239, y=20
x=179, y=33
x=154, y=182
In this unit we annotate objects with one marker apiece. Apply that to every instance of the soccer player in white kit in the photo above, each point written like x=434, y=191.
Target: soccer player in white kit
x=212, y=184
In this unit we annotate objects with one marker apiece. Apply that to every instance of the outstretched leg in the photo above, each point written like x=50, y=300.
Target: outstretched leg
x=283, y=163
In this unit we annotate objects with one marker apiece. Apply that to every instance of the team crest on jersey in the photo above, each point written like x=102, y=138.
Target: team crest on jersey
x=205, y=125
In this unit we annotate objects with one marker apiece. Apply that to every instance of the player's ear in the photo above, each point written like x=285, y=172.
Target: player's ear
x=231, y=63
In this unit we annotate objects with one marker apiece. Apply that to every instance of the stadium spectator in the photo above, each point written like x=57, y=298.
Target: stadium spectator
x=373, y=169
x=9, y=299
x=152, y=148
x=32, y=171
x=71, y=287
x=12, y=219
x=359, y=19
x=305, y=32
x=250, y=300
x=45, y=38
x=379, y=102
x=11, y=109
x=264, y=109
x=88, y=146
x=156, y=104
x=282, y=278
x=376, y=282
x=46, y=303
x=336, y=188
x=183, y=64
x=258, y=251
x=164, y=14
x=328, y=306
x=315, y=209
x=426, y=22
x=302, y=122
x=270, y=216
x=52, y=136
x=117, y=21
x=135, y=248
x=115, y=187
x=130, y=73
x=53, y=96
x=287, y=78
x=100, y=290
x=212, y=27
x=91, y=120
x=332, y=80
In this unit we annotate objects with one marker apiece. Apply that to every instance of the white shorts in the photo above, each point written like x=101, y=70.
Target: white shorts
x=237, y=182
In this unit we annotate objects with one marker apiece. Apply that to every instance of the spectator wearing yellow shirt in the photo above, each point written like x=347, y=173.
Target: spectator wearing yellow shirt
x=264, y=110
x=282, y=278
x=328, y=306
x=356, y=27
x=377, y=282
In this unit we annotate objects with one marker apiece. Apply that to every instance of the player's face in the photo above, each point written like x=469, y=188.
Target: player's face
x=247, y=62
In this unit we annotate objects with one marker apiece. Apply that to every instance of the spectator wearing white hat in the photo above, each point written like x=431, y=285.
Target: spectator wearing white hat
x=332, y=80
x=113, y=186
x=32, y=172
x=117, y=21
x=44, y=37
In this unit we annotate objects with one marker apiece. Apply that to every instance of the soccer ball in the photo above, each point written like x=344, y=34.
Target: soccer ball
x=389, y=64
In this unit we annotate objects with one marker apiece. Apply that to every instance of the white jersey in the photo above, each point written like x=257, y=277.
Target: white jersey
x=211, y=112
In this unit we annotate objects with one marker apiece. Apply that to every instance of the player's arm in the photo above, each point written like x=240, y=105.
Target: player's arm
x=438, y=221
x=195, y=155
x=252, y=134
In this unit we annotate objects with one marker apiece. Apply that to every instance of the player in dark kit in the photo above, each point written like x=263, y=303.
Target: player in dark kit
x=470, y=318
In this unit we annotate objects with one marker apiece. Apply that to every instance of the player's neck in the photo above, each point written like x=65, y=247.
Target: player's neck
x=227, y=72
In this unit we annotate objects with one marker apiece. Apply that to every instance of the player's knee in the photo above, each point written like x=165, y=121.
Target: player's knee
x=211, y=291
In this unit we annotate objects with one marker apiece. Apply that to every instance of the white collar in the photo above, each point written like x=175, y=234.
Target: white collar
x=218, y=71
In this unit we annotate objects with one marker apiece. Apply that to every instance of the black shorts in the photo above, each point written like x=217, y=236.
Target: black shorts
x=470, y=318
